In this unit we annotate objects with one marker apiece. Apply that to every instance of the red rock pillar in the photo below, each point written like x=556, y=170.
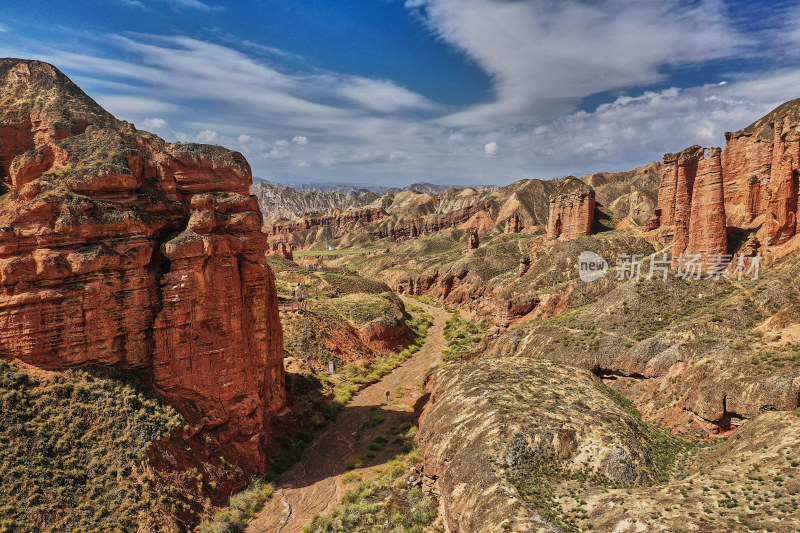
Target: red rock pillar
x=781, y=218
x=667, y=190
x=218, y=353
x=686, y=173
x=473, y=240
x=571, y=210
x=707, y=233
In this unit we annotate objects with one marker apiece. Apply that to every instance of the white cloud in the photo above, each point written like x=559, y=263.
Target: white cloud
x=381, y=96
x=154, y=124
x=176, y=4
x=366, y=129
x=182, y=68
x=3, y=29
x=194, y=4
x=280, y=150
x=134, y=106
x=208, y=137
x=544, y=56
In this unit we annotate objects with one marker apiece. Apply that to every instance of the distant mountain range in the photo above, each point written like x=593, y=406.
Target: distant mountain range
x=281, y=200
x=357, y=189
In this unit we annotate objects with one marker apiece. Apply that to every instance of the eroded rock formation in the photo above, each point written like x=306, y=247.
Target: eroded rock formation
x=571, y=210
x=119, y=249
x=285, y=251
x=691, y=210
x=630, y=196
x=513, y=224
x=474, y=241
x=532, y=409
x=748, y=190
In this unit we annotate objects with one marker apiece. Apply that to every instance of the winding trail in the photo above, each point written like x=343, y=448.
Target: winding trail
x=314, y=485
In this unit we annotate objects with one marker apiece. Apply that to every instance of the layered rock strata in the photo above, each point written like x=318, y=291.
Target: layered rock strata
x=571, y=210
x=748, y=191
x=119, y=249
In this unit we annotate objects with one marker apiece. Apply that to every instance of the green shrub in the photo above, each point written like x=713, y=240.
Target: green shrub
x=463, y=337
x=73, y=446
x=243, y=506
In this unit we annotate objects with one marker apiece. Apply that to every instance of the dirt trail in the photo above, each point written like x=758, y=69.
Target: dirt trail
x=313, y=486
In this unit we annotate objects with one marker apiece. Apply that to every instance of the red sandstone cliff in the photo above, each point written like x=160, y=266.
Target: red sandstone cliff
x=571, y=210
x=760, y=165
x=707, y=232
x=749, y=190
x=117, y=248
x=691, y=210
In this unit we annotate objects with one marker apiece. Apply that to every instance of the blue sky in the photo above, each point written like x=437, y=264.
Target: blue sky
x=449, y=91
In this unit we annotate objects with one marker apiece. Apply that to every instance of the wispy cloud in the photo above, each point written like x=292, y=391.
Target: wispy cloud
x=195, y=4
x=545, y=56
x=132, y=3
x=175, y=4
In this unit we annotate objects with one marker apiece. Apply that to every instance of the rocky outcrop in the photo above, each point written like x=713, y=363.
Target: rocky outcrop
x=521, y=206
x=628, y=196
x=285, y=251
x=277, y=201
x=715, y=380
x=513, y=224
x=707, y=232
x=691, y=210
x=571, y=210
x=524, y=265
x=335, y=220
x=119, y=249
x=474, y=241
x=760, y=167
x=751, y=186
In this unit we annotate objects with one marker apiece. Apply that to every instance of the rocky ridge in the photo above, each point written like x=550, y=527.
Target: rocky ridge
x=624, y=199
x=285, y=202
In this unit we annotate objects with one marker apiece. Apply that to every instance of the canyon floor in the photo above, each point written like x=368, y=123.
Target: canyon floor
x=314, y=485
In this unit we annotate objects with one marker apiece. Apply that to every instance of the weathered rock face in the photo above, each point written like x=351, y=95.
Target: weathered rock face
x=691, y=210
x=760, y=167
x=119, y=249
x=513, y=224
x=571, y=210
x=629, y=196
x=520, y=206
x=285, y=251
x=524, y=265
x=286, y=202
x=335, y=219
x=707, y=232
x=474, y=242
x=751, y=186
